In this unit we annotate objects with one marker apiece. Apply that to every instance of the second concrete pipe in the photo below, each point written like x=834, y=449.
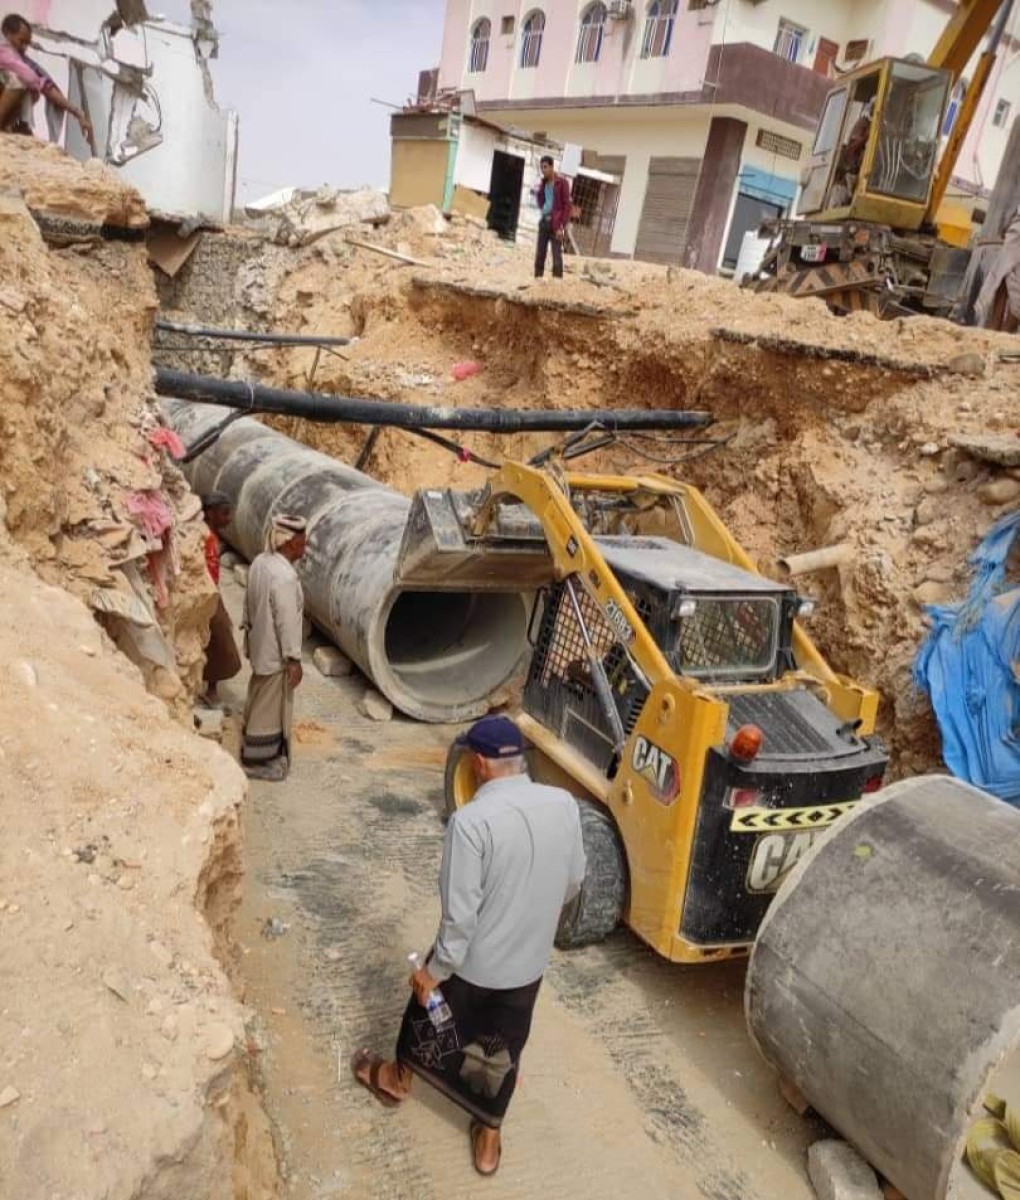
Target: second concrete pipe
x=437, y=656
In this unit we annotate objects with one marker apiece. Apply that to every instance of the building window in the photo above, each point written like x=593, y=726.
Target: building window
x=1001, y=115
x=589, y=39
x=953, y=108
x=506, y=26
x=531, y=42
x=659, y=28
x=790, y=41
x=480, y=35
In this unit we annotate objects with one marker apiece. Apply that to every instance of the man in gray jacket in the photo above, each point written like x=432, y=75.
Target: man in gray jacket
x=513, y=857
x=273, y=624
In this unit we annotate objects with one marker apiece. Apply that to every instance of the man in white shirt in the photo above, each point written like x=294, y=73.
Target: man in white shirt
x=273, y=626
x=513, y=857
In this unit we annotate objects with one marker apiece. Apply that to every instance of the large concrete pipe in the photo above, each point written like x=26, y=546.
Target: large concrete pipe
x=437, y=656
x=885, y=981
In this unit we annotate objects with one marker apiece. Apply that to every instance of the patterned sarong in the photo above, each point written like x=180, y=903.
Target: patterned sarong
x=268, y=715
x=474, y=1062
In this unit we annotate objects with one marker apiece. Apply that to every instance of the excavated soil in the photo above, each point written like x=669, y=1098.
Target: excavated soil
x=124, y=1061
x=839, y=429
x=123, y=1055
x=89, y=491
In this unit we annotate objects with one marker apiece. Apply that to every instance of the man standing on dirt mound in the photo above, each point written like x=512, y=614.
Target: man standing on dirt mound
x=552, y=195
x=273, y=623
x=513, y=857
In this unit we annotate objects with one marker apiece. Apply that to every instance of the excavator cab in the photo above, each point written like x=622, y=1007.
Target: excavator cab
x=862, y=237
x=877, y=146
x=875, y=231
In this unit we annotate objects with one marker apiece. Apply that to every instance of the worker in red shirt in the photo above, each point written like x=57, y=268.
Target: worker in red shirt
x=222, y=658
x=552, y=195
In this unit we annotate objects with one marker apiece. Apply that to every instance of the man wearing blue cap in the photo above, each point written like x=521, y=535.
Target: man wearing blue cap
x=513, y=857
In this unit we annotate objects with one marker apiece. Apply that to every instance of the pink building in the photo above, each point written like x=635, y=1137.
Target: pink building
x=704, y=110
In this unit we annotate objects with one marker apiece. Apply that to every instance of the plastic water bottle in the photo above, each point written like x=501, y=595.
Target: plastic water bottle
x=436, y=1006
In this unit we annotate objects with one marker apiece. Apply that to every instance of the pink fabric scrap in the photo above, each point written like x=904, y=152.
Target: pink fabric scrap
x=151, y=512
x=464, y=370
x=166, y=439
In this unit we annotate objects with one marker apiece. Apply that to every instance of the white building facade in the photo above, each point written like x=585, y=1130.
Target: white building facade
x=705, y=110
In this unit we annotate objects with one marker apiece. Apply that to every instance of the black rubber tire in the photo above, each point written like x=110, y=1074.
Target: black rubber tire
x=596, y=912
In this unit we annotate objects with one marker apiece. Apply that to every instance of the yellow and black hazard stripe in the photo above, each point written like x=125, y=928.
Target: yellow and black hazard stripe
x=773, y=820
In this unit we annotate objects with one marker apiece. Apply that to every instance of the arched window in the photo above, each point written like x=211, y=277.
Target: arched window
x=531, y=40
x=589, y=39
x=659, y=29
x=480, y=35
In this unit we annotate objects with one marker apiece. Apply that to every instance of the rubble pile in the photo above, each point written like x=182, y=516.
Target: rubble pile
x=89, y=486
x=841, y=430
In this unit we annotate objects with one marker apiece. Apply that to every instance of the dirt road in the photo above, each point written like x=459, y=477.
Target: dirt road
x=639, y=1079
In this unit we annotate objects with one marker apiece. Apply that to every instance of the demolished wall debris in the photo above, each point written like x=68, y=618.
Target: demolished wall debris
x=146, y=86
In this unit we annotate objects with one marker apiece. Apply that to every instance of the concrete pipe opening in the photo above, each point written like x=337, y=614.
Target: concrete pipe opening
x=450, y=652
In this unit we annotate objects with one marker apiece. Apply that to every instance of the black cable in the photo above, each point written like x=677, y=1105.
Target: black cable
x=246, y=335
x=360, y=411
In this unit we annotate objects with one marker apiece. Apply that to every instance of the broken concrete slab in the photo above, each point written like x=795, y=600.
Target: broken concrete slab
x=375, y=707
x=1003, y=451
x=53, y=184
x=838, y=1172
x=331, y=662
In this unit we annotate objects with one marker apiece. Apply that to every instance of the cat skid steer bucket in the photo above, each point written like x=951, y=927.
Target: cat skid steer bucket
x=440, y=552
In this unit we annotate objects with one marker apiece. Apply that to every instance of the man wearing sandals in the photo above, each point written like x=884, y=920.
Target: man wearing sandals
x=512, y=858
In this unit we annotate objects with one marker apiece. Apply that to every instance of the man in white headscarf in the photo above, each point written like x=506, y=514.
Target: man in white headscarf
x=273, y=626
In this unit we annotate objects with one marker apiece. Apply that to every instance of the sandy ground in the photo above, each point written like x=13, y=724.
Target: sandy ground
x=639, y=1079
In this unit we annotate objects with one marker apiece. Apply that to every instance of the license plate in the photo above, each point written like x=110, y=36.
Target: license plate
x=775, y=855
x=813, y=254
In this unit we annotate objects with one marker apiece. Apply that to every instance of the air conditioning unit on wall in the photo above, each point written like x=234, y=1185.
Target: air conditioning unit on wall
x=620, y=10
x=855, y=53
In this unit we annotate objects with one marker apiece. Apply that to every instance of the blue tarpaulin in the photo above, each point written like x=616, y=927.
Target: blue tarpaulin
x=969, y=665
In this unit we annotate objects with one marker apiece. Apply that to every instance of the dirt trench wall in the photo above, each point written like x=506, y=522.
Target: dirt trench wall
x=124, y=1062
x=123, y=1048
x=88, y=490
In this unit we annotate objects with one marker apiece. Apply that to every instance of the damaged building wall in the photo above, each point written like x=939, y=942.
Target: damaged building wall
x=148, y=92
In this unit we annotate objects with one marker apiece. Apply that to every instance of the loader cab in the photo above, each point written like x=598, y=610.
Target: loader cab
x=715, y=623
x=877, y=146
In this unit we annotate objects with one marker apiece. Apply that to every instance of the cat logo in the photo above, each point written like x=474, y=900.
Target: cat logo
x=774, y=857
x=657, y=768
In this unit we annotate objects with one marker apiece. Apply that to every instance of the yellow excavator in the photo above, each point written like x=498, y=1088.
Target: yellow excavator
x=671, y=688
x=874, y=230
